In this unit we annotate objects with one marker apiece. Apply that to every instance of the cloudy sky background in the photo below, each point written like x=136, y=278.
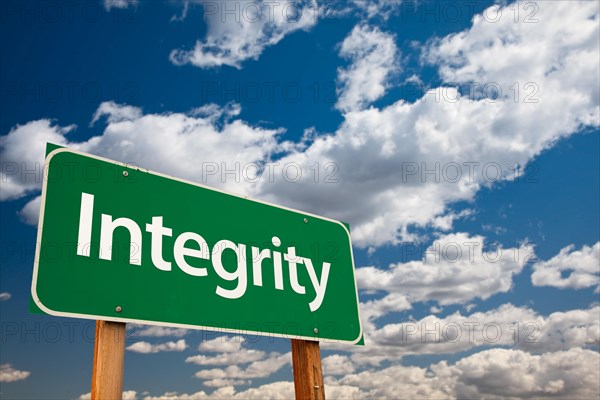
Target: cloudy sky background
x=459, y=140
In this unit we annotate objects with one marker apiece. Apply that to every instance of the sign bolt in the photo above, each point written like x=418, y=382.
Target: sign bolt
x=316, y=330
x=305, y=220
x=118, y=308
x=125, y=173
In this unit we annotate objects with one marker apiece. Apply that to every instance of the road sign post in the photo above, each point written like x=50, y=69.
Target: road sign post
x=109, y=360
x=308, y=373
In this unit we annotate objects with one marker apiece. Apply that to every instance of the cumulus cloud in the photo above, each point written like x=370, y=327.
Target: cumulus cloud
x=500, y=51
x=373, y=59
x=242, y=356
x=237, y=364
x=169, y=143
x=494, y=374
x=224, y=382
x=223, y=344
x=245, y=32
x=401, y=166
x=116, y=112
x=157, y=331
x=146, y=348
x=561, y=331
x=30, y=214
x=451, y=334
x=110, y=4
x=22, y=154
x=269, y=391
x=9, y=374
x=508, y=325
x=257, y=369
x=505, y=326
x=392, y=302
x=5, y=296
x=570, y=268
x=501, y=373
x=435, y=382
x=337, y=365
x=456, y=268
x=371, y=310
x=378, y=8
x=127, y=395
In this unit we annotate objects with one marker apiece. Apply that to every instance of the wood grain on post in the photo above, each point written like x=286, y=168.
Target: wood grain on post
x=109, y=357
x=308, y=374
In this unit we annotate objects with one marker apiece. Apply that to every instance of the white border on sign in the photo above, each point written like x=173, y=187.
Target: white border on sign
x=169, y=324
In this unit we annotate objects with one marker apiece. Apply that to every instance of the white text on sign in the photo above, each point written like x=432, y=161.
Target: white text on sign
x=158, y=231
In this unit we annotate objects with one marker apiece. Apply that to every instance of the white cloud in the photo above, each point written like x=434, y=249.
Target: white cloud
x=582, y=266
x=232, y=354
x=435, y=310
x=382, y=155
x=127, y=395
x=5, y=296
x=558, y=53
x=223, y=344
x=269, y=391
x=183, y=396
x=9, y=374
x=116, y=112
x=374, y=59
x=30, y=214
x=169, y=143
x=246, y=31
x=145, y=347
x=175, y=142
x=500, y=373
x=257, y=369
x=214, y=111
x=435, y=382
x=455, y=269
x=378, y=8
x=184, y=12
x=507, y=325
x=337, y=365
x=242, y=356
x=22, y=154
x=158, y=331
x=224, y=382
x=374, y=309
x=371, y=310
x=492, y=374
x=562, y=330
x=110, y=4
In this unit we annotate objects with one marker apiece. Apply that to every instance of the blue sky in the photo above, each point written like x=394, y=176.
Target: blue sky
x=440, y=125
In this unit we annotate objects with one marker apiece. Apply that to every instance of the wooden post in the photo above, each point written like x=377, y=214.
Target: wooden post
x=308, y=374
x=109, y=357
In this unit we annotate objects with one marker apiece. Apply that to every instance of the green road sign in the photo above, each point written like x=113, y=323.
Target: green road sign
x=125, y=244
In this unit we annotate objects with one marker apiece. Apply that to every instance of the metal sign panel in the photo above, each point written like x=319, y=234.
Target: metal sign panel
x=126, y=244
